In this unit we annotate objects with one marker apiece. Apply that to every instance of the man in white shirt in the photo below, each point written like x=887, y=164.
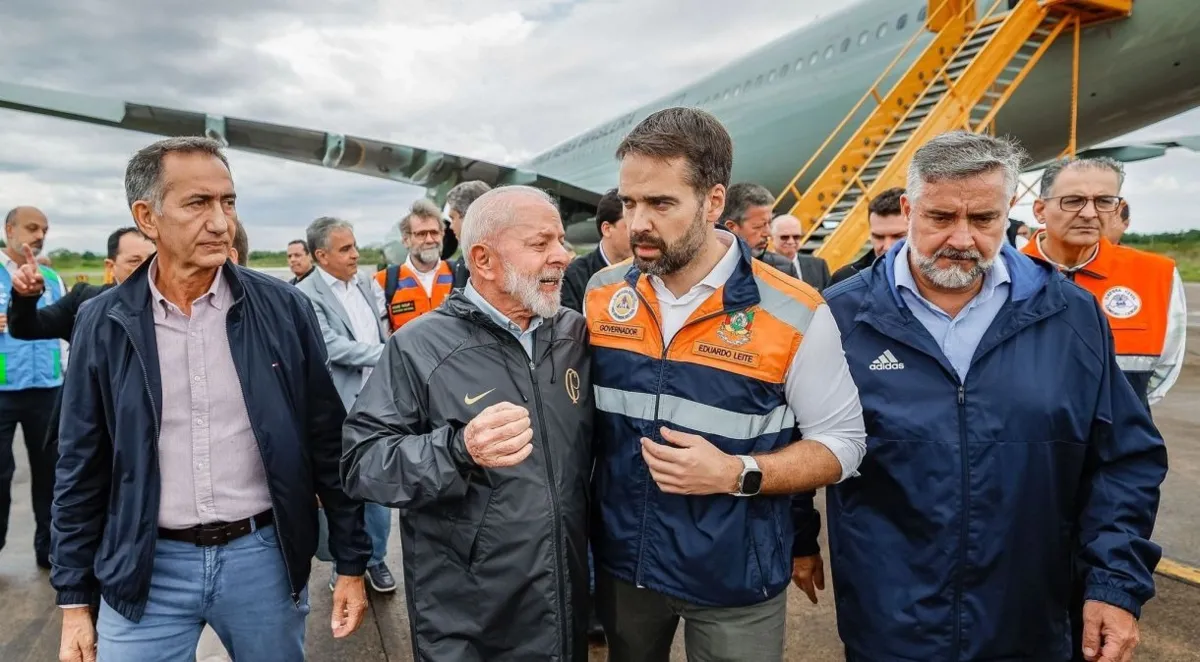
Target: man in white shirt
x=705, y=363
x=350, y=310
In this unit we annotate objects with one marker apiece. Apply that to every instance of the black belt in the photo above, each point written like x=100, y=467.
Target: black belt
x=218, y=533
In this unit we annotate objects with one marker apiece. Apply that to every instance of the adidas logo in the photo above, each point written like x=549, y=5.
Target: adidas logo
x=887, y=361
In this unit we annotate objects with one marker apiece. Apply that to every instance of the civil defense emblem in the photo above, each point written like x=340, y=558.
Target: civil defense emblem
x=1121, y=302
x=735, y=330
x=623, y=305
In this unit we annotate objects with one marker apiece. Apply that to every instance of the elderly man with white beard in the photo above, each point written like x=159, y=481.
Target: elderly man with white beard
x=477, y=425
x=1012, y=477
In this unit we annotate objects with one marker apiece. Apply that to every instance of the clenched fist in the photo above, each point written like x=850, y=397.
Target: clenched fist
x=499, y=436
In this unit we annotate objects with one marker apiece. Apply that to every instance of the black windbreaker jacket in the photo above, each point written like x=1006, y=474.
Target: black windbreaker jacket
x=495, y=560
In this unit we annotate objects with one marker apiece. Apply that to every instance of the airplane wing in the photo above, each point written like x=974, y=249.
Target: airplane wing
x=435, y=171
x=1133, y=151
x=1142, y=150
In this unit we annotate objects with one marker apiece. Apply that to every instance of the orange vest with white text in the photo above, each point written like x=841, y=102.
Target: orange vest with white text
x=410, y=300
x=1134, y=291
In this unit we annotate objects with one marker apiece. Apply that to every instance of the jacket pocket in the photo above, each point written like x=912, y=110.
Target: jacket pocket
x=471, y=519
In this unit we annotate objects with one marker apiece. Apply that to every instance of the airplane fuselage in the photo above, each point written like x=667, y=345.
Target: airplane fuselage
x=782, y=101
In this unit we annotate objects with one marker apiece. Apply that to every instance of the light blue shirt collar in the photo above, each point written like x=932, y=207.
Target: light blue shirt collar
x=998, y=275
x=525, y=337
x=957, y=337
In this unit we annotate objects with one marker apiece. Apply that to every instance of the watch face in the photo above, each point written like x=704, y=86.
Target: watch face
x=752, y=482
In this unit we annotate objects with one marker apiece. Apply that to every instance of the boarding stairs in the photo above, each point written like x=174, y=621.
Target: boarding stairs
x=961, y=80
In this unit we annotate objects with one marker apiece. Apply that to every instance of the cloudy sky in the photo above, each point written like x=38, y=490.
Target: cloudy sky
x=497, y=79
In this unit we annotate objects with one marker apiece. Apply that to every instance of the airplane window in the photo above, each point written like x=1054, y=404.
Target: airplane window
x=846, y=44
x=771, y=76
x=903, y=21
x=829, y=52
x=812, y=59
x=922, y=14
x=737, y=91
x=862, y=38
x=784, y=69
x=799, y=64
x=759, y=81
x=746, y=88
x=882, y=30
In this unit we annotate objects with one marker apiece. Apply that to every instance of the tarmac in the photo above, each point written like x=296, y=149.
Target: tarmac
x=29, y=631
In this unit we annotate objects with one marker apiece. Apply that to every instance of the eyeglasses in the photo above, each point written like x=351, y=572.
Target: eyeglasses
x=1103, y=203
x=790, y=237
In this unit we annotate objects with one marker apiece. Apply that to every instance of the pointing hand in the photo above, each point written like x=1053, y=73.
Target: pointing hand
x=28, y=280
x=500, y=436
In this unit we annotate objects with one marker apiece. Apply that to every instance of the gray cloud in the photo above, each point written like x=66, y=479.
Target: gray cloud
x=497, y=79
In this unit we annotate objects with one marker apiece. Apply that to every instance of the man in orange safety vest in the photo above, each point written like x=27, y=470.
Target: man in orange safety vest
x=424, y=281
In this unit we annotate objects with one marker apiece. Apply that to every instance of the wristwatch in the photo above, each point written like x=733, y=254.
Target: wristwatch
x=750, y=482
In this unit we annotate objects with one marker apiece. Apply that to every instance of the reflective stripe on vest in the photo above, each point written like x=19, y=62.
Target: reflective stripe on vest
x=26, y=364
x=410, y=300
x=704, y=419
x=1134, y=290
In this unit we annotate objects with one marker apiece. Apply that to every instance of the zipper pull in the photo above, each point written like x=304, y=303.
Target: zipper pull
x=962, y=397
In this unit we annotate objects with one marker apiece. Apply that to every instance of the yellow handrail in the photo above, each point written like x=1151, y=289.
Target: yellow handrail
x=1020, y=77
x=941, y=72
x=871, y=92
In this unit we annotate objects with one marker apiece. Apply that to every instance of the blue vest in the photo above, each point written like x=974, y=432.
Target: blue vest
x=26, y=364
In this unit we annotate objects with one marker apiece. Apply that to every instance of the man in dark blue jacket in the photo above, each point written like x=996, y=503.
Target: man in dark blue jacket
x=1012, y=477
x=183, y=497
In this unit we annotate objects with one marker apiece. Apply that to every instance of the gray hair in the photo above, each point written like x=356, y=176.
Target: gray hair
x=775, y=222
x=960, y=155
x=1052, y=171
x=741, y=197
x=463, y=194
x=143, y=174
x=319, y=230
x=423, y=207
x=492, y=211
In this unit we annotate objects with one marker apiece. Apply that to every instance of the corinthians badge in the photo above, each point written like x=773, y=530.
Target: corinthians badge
x=1121, y=302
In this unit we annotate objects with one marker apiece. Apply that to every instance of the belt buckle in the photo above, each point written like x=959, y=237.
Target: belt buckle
x=208, y=535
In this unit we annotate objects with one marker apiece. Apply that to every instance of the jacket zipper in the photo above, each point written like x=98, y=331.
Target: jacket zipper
x=662, y=367
x=966, y=512
x=146, y=562
x=270, y=491
x=554, y=506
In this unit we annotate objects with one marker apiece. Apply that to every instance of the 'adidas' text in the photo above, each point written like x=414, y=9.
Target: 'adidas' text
x=887, y=361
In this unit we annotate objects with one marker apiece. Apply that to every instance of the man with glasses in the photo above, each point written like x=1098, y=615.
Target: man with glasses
x=424, y=281
x=1141, y=293
x=786, y=234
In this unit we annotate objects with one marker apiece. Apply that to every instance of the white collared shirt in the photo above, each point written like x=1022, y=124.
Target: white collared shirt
x=363, y=321
x=426, y=278
x=818, y=387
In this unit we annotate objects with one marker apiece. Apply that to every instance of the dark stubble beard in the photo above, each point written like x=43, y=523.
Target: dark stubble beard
x=674, y=257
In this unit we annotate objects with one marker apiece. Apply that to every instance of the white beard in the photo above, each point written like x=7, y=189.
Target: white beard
x=526, y=288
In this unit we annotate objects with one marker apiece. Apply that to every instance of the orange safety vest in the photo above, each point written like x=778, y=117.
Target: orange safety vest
x=1134, y=290
x=722, y=377
x=410, y=301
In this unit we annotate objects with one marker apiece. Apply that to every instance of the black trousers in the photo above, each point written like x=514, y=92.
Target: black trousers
x=34, y=409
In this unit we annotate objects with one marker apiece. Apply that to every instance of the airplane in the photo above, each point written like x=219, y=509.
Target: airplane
x=779, y=103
